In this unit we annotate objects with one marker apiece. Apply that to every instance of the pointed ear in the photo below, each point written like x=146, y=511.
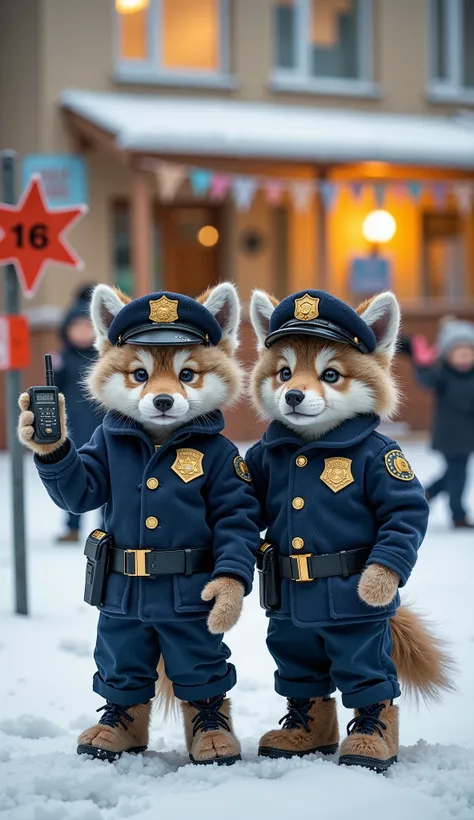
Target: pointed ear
x=382, y=314
x=262, y=306
x=106, y=302
x=223, y=302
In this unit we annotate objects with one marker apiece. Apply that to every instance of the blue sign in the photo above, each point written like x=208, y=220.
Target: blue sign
x=64, y=177
x=369, y=274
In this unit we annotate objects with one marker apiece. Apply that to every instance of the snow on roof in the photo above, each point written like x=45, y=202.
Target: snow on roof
x=231, y=128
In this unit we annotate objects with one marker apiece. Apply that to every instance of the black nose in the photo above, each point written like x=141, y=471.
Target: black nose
x=294, y=397
x=163, y=402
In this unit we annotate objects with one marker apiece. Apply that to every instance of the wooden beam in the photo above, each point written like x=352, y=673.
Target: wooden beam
x=141, y=216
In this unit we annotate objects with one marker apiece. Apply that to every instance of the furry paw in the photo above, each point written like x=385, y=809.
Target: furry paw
x=229, y=596
x=378, y=585
x=26, y=429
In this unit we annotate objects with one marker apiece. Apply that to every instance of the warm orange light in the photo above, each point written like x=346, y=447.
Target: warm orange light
x=208, y=236
x=379, y=227
x=131, y=6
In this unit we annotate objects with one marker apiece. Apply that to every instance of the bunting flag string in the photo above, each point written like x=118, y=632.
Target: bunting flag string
x=217, y=185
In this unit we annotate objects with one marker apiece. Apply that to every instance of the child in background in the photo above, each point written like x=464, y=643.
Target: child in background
x=70, y=366
x=448, y=370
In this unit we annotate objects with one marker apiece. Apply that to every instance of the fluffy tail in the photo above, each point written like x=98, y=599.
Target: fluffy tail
x=423, y=663
x=165, y=698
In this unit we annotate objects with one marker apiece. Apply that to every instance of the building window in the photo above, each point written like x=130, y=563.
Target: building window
x=323, y=45
x=173, y=41
x=452, y=50
x=444, y=256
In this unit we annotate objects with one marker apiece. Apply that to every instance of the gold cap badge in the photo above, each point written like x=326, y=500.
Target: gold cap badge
x=398, y=466
x=307, y=307
x=188, y=464
x=337, y=473
x=163, y=310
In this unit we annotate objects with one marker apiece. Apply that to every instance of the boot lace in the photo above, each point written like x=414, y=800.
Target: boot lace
x=297, y=715
x=115, y=715
x=368, y=721
x=208, y=716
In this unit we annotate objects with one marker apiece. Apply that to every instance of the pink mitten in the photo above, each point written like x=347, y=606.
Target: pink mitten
x=423, y=353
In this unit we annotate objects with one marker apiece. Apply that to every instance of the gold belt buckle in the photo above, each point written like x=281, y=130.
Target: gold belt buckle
x=303, y=566
x=140, y=565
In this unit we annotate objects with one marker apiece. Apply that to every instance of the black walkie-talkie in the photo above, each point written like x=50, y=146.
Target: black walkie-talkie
x=44, y=404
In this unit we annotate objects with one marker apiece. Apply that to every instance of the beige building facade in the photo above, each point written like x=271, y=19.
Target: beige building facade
x=114, y=81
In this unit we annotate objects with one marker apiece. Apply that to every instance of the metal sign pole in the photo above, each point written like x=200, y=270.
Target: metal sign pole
x=13, y=390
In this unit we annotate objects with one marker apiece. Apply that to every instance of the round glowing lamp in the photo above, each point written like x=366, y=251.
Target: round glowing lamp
x=208, y=236
x=130, y=6
x=379, y=227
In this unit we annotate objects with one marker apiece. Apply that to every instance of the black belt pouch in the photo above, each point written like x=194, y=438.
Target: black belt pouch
x=268, y=566
x=97, y=553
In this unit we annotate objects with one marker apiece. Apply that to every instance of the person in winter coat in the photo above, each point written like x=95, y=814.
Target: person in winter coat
x=448, y=370
x=70, y=366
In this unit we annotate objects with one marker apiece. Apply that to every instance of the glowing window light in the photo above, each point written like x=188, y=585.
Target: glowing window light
x=379, y=227
x=131, y=6
x=208, y=236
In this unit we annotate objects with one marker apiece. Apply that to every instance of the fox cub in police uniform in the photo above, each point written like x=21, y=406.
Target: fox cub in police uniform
x=345, y=516
x=180, y=515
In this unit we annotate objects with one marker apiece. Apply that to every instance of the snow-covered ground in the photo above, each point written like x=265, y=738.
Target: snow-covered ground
x=46, y=668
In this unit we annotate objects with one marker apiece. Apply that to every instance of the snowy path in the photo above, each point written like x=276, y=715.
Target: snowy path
x=45, y=699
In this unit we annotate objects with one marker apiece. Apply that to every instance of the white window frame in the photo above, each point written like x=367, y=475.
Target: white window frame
x=299, y=79
x=151, y=70
x=451, y=89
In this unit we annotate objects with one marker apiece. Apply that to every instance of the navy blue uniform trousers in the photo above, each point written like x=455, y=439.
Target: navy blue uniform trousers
x=315, y=661
x=128, y=650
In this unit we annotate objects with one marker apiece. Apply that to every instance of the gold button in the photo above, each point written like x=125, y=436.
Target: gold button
x=356, y=340
x=298, y=503
x=151, y=523
x=301, y=461
x=152, y=483
x=297, y=543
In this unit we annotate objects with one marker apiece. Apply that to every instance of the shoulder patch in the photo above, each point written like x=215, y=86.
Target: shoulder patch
x=241, y=469
x=188, y=464
x=398, y=466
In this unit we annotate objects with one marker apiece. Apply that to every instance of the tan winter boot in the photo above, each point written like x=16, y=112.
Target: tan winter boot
x=209, y=734
x=120, y=729
x=309, y=726
x=372, y=739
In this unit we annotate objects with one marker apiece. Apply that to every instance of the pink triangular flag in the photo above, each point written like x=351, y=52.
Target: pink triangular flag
x=273, y=191
x=463, y=195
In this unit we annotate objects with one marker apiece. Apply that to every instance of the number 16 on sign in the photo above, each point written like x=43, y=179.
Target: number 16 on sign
x=32, y=234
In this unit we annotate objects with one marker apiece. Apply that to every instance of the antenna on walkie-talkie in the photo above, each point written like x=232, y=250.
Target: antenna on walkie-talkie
x=48, y=369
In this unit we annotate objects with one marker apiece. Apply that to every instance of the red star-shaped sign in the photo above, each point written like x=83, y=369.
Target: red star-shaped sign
x=31, y=235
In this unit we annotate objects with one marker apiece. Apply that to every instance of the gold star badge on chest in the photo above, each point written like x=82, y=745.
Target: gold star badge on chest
x=188, y=464
x=163, y=310
x=337, y=473
x=306, y=307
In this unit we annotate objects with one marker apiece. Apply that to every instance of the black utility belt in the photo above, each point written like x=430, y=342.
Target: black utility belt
x=103, y=557
x=302, y=567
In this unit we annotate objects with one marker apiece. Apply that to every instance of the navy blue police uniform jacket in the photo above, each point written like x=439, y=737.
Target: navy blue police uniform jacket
x=192, y=491
x=352, y=488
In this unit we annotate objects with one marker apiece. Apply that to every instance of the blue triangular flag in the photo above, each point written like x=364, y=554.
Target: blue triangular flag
x=200, y=179
x=328, y=191
x=414, y=189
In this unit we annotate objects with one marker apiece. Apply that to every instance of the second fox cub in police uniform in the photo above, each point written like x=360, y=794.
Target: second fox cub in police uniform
x=344, y=514
x=178, y=504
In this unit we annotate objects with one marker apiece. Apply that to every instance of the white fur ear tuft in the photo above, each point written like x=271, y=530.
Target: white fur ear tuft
x=105, y=304
x=223, y=303
x=261, y=309
x=382, y=314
